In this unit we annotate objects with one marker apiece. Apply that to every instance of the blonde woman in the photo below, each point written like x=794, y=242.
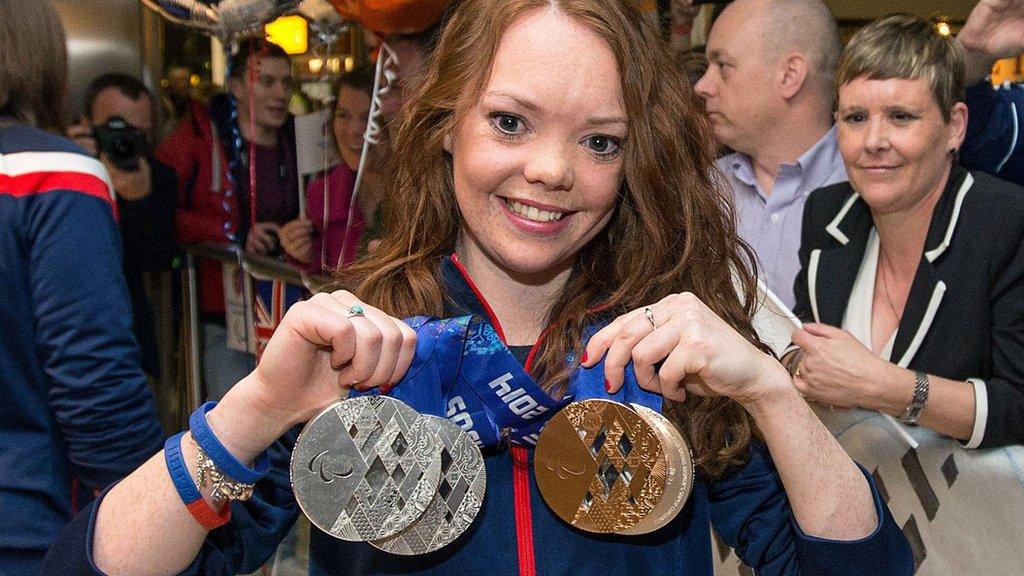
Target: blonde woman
x=913, y=276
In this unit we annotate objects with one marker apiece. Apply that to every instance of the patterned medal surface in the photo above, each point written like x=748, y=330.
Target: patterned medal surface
x=365, y=468
x=459, y=496
x=600, y=466
x=679, y=478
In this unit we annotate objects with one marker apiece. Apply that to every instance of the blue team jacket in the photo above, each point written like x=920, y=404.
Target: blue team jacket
x=748, y=508
x=75, y=411
x=994, y=142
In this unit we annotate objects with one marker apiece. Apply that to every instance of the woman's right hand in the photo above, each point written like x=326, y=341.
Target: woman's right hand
x=297, y=240
x=835, y=369
x=320, y=349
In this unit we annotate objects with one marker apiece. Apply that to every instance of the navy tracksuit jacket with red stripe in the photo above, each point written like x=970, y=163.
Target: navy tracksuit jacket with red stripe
x=75, y=411
x=748, y=508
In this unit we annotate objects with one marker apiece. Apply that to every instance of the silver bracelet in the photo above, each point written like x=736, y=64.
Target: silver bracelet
x=224, y=488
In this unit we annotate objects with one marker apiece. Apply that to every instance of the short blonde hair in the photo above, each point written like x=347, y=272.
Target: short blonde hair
x=904, y=46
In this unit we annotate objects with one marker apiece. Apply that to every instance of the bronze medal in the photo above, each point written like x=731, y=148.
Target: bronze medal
x=365, y=468
x=600, y=466
x=679, y=475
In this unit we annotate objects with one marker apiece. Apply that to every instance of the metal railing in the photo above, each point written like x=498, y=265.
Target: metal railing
x=254, y=266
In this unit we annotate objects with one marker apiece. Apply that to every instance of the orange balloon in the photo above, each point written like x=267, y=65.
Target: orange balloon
x=392, y=16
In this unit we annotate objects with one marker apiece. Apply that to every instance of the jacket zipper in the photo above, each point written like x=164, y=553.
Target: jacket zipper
x=520, y=455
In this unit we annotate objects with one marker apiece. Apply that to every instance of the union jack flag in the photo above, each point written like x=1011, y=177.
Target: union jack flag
x=272, y=300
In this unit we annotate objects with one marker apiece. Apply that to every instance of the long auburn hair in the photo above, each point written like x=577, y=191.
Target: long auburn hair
x=673, y=229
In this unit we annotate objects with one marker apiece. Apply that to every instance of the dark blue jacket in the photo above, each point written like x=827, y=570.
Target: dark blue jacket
x=748, y=507
x=995, y=122
x=75, y=411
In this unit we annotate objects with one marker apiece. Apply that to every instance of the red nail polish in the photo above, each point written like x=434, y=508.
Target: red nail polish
x=386, y=389
x=607, y=386
x=584, y=359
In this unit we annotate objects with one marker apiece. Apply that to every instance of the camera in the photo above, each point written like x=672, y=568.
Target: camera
x=123, y=143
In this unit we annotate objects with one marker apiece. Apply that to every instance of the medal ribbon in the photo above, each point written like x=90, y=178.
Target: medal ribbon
x=463, y=371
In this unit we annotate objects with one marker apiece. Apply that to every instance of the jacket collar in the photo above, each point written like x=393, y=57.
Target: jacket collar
x=840, y=265
x=462, y=295
x=854, y=217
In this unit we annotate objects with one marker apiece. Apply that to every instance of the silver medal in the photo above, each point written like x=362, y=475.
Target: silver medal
x=459, y=496
x=365, y=468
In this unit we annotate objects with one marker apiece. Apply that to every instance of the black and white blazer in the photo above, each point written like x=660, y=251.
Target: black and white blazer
x=964, y=317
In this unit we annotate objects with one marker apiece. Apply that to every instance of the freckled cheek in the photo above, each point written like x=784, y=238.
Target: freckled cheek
x=599, y=187
x=482, y=170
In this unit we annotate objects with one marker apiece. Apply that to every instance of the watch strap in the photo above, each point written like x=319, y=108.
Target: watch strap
x=919, y=400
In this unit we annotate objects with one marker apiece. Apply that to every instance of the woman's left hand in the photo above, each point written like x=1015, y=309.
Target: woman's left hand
x=835, y=368
x=699, y=353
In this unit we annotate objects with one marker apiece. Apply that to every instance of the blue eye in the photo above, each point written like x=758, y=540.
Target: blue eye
x=605, y=147
x=508, y=124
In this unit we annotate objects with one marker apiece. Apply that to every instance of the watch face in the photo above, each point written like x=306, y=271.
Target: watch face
x=920, y=399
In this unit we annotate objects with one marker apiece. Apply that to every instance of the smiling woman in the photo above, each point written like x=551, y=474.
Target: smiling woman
x=336, y=222
x=913, y=275
x=552, y=191
x=897, y=142
x=536, y=165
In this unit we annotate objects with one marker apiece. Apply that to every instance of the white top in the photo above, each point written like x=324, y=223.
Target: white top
x=858, y=315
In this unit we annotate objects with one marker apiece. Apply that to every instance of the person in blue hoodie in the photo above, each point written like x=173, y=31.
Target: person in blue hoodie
x=994, y=142
x=75, y=412
x=553, y=180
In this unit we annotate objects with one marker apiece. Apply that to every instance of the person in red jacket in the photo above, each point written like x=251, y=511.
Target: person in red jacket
x=211, y=153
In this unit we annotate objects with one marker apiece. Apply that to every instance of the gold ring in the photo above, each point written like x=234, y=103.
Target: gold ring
x=796, y=373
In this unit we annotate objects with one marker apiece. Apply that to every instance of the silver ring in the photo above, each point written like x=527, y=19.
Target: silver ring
x=354, y=311
x=650, y=317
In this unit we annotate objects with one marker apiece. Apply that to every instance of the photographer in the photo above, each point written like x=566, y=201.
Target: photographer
x=118, y=128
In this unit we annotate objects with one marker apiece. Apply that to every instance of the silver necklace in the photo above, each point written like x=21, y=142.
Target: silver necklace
x=885, y=289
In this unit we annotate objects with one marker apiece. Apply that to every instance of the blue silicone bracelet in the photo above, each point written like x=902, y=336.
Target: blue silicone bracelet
x=179, y=472
x=225, y=461
x=206, y=516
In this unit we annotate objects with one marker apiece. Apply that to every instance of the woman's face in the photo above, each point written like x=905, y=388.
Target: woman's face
x=537, y=163
x=409, y=68
x=894, y=141
x=350, y=115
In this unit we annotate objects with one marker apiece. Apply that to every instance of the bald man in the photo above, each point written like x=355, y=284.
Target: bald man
x=769, y=94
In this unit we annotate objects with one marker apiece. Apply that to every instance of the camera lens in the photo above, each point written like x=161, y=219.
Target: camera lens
x=123, y=148
x=123, y=143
